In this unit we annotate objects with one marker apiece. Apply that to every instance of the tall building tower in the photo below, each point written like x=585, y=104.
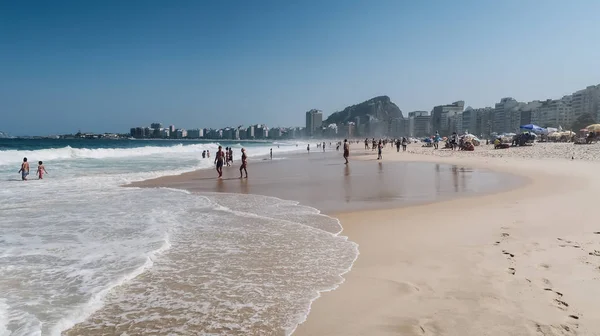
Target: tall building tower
x=314, y=121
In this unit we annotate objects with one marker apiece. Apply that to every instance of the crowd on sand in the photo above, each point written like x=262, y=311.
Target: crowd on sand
x=537, y=150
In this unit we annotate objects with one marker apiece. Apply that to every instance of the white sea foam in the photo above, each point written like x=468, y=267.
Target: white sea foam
x=71, y=240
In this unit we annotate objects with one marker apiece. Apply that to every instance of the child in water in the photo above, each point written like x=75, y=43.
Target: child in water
x=41, y=170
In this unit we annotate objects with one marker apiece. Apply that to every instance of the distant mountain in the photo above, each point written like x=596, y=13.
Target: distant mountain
x=379, y=109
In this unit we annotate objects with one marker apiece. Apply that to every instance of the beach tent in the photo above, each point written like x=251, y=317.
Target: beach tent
x=532, y=127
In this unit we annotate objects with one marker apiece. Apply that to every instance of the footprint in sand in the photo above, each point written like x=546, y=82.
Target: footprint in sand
x=595, y=253
x=511, y=270
x=545, y=266
x=597, y=232
x=504, y=235
x=508, y=253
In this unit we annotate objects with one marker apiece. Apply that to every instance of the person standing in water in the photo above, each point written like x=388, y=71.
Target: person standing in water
x=244, y=163
x=227, y=156
x=41, y=170
x=219, y=158
x=346, y=150
x=271, y=153
x=231, y=155
x=24, y=171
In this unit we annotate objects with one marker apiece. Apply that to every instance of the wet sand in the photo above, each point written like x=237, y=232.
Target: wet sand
x=323, y=181
x=520, y=258
x=522, y=262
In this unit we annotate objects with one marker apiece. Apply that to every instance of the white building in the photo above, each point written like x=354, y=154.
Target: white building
x=586, y=101
x=504, y=115
x=553, y=113
x=419, y=124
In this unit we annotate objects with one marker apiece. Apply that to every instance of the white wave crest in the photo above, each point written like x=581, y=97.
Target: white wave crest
x=66, y=153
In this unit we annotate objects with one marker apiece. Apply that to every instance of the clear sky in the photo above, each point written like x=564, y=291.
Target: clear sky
x=110, y=65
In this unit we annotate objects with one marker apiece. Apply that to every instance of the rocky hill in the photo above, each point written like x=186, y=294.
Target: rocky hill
x=379, y=108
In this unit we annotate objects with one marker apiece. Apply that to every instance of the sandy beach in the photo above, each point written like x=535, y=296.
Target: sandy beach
x=522, y=262
x=502, y=242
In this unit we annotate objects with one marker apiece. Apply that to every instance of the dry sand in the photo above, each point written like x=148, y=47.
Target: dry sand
x=522, y=262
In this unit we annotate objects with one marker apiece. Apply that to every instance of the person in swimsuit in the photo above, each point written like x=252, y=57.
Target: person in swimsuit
x=308, y=148
x=41, y=170
x=244, y=163
x=219, y=158
x=346, y=150
x=227, y=156
x=231, y=155
x=271, y=153
x=24, y=171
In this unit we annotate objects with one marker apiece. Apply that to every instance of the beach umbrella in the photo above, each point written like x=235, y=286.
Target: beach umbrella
x=532, y=127
x=593, y=128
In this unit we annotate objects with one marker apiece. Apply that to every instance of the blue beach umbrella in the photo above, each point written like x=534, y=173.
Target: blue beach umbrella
x=532, y=127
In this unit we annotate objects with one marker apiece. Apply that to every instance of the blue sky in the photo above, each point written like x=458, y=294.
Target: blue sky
x=109, y=65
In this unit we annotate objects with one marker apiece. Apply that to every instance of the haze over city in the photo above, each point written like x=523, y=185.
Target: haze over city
x=105, y=66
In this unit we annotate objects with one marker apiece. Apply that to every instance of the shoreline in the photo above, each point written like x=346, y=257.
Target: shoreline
x=412, y=267
x=394, y=290
x=183, y=182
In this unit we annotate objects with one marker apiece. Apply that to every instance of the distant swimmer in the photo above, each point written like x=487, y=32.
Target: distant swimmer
x=204, y=154
x=24, y=171
x=219, y=158
x=346, y=150
x=41, y=170
x=207, y=153
x=244, y=163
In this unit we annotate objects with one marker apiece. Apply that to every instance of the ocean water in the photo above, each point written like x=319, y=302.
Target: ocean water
x=80, y=255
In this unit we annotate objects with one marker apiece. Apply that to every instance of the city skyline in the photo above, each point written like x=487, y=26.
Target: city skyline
x=105, y=66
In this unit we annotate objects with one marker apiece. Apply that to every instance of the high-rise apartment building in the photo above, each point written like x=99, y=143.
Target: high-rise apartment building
x=443, y=117
x=419, y=124
x=586, y=101
x=314, y=122
x=503, y=115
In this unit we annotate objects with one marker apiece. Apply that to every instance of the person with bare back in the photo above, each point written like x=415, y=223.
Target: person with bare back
x=244, y=163
x=219, y=160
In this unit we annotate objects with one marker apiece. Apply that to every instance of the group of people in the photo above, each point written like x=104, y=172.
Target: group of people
x=24, y=171
x=226, y=157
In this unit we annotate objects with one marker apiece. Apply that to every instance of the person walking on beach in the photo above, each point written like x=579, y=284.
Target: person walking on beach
x=219, y=161
x=227, y=156
x=366, y=143
x=404, y=143
x=41, y=170
x=24, y=171
x=397, y=145
x=379, y=149
x=308, y=148
x=244, y=163
x=323, y=146
x=271, y=153
x=346, y=150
